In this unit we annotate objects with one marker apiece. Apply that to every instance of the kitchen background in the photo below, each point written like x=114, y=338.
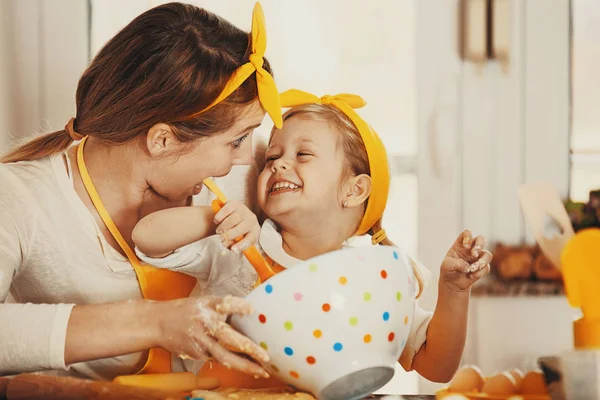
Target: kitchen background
x=465, y=119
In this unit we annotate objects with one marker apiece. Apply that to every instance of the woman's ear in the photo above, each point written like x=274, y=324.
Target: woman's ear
x=359, y=190
x=160, y=140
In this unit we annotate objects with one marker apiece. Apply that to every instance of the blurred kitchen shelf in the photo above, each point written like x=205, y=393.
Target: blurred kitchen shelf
x=491, y=286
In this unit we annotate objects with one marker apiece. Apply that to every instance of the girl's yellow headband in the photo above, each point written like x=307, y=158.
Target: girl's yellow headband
x=267, y=91
x=378, y=162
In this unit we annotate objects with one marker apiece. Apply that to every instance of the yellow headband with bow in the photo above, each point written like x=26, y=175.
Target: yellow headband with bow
x=378, y=162
x=268, y=94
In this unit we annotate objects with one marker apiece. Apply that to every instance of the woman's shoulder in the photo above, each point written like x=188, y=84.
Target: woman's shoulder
x=24, y=182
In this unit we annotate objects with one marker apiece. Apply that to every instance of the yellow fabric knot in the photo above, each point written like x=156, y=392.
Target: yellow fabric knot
x=327, y=100
x=257, y=60
x=268, y=95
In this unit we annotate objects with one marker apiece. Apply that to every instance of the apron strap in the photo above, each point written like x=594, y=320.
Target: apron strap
x=155, y=283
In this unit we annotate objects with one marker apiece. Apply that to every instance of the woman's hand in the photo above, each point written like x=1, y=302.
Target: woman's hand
x=196, y=328
x=465, y=263
x=235, y=221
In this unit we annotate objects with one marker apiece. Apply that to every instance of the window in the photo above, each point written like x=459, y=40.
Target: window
x=585, y=133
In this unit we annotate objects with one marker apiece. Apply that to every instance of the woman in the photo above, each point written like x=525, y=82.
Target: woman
x=171, y=100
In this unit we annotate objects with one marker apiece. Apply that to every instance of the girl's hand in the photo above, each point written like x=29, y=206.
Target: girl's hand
x=466, y=262
x=234, y=221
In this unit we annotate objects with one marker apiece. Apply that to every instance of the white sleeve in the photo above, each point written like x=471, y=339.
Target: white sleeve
x=206, y=260
x=416, y=337
x=32, y=336
x=421, y=319
x=186, y=257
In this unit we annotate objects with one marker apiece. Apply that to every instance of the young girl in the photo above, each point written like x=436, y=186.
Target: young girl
x=325, y=180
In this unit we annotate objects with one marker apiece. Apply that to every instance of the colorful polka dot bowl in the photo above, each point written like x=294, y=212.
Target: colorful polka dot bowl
x=335, y=325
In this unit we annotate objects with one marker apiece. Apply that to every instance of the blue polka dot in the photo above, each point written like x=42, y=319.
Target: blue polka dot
x=338, y=347
x=395, y=255
x=269, y=289
x=386, y=316
x=289, y=351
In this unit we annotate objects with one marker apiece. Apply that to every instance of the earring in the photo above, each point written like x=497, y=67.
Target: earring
x=345, y=203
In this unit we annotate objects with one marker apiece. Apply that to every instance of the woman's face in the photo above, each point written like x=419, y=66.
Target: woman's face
x=178, y=168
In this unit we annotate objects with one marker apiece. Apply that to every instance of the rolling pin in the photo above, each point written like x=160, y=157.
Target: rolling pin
x=177, y=381
x=31, y=386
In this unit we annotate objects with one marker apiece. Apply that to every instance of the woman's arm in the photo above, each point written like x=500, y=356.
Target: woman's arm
x=162, y=232
x=189, y=327
x=130, y=325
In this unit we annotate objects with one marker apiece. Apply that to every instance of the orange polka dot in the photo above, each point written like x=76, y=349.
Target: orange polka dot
x=311, y=360
x=294, y=374
x=326, y=307
x=343, y=280
x=317, y=333
x=384, y=274
x=391, y=336
x=406, y=320
x=367, y=338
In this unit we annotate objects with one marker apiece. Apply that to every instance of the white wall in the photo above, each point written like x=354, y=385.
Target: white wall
x=47, y=52
x=5, y=71
x=512, y=332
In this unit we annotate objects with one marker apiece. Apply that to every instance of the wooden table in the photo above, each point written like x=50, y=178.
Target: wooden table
x=32, y=386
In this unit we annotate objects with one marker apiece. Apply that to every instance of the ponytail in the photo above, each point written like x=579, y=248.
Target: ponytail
x=46, y=145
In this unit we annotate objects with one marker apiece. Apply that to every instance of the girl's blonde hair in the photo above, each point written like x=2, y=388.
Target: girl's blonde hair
x=355, y=155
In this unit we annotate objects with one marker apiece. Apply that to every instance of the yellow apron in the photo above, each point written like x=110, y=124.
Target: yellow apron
x=155, y=283
x=230, y=378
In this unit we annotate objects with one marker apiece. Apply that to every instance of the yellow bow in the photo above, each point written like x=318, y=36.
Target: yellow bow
x=378, y=162
x=267, y=90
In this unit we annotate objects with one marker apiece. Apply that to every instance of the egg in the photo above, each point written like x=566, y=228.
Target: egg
x=453, y=396
x=502, y=384
x=518, y=375
x=534, y=383
x=467, y=379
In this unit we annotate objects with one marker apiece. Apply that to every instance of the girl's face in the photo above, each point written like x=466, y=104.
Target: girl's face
x=301, y=178
x=180, y=172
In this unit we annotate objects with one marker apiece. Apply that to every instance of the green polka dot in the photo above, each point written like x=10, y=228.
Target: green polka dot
x=353, y=321
x=367, y=296
x=398, y=296
x=264, y=345
x=312, y=267
x=288, y=326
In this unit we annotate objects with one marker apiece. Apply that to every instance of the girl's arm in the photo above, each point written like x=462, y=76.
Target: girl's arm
x=439, y=358
x=162, y=232
x=464, y=264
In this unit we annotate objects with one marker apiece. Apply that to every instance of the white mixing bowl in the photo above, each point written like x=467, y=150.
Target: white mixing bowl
x=336, y=324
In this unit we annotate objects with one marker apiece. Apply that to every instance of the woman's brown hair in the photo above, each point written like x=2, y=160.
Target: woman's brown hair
x=165, y=66
x=355, y=155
